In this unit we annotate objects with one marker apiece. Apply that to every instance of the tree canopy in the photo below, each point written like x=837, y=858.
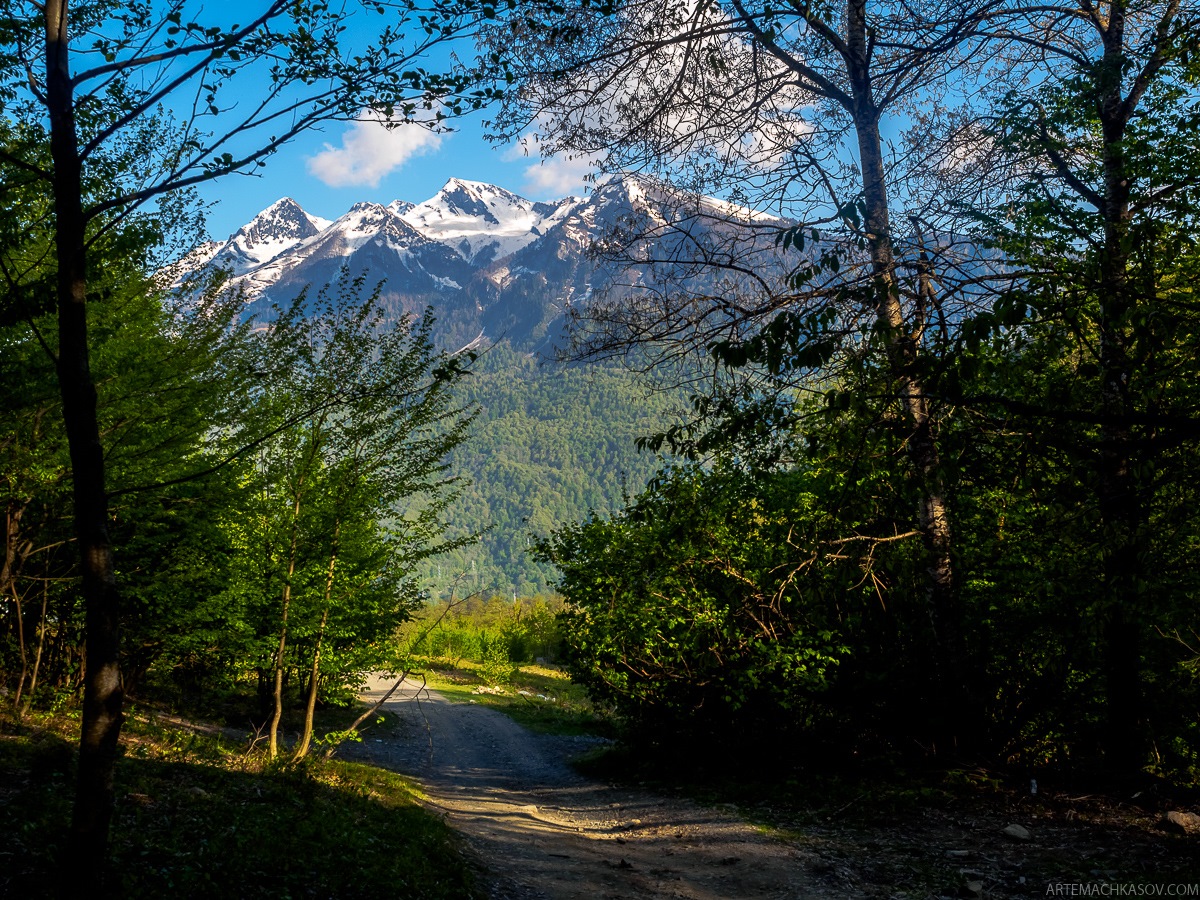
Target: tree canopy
x=979, y=332
x=109, y=106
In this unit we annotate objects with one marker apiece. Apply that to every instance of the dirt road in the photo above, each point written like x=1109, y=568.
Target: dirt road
x=542, y=831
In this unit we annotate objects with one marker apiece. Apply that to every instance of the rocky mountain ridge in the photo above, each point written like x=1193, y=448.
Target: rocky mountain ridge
x=492, y=263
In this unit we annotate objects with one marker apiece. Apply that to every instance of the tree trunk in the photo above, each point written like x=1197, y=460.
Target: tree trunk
x=21, y=644
x=12, y=526
x=102, y=693
x=949, y=662
x=314, y=677
x=310, y=706
x=37, y=657
x=285, y=604
x=329, y=751
x=1122, y=511
x=277, y=683
x=1123, y=524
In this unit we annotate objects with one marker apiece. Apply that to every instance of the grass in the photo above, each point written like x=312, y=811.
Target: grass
x=197, y=817
x=540, y=697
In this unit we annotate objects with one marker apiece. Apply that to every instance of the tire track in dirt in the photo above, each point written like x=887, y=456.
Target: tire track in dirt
x=540, y=830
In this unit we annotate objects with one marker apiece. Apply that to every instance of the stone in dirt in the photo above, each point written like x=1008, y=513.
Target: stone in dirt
x=1018, y=833
x=1182, y=822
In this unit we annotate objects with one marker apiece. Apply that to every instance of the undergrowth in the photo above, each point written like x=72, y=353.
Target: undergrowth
x=196, y=816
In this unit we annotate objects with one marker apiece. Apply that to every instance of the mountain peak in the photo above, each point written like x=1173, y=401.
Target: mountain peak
x=283, y=217
x=283, y=204
x=488, y=258
x=278, y=228
x=475, y=187
x=481, y=222
x=631, y=187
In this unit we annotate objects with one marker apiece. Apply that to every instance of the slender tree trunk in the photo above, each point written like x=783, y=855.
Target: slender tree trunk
x=1122, y=516
x=314, y=676
x=277, y=682
x=285, y=604
x=37, y=658
x=15, y=554
x=329, y=751
x=933, y=516
x=102, y=692
x=8, y=583
x=310, y=706
x=1122, y=511
x=12, y=527
x=21, y=644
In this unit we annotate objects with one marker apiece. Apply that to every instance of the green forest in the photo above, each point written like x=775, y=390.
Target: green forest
x=932, y=501
x=551, y=443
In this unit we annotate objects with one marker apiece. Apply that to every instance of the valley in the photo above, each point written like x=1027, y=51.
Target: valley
x=553, y=442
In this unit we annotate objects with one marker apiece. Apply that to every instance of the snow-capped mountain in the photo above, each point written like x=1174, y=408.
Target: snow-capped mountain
x=488, y=260
x=628, y=236
x=369, y=239
x=275, y=230
x=483, y=222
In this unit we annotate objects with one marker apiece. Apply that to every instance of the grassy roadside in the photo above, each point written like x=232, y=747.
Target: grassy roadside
x=197, y=817
x=540, y=697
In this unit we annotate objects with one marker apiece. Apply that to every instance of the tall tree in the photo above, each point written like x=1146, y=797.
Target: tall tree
x=1093, y=151
x=352, y=496
x=107, y=69
x=788, y=102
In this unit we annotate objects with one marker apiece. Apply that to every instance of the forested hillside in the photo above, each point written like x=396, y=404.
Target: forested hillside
x=551, y=443
x=927, y=511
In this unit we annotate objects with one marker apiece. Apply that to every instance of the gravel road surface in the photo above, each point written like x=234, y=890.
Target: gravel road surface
x=540, y=830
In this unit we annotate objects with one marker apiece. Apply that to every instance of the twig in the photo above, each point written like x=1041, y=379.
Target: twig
x=420, y=637
x=424, y=689
x=254, y=741
x=370, y=712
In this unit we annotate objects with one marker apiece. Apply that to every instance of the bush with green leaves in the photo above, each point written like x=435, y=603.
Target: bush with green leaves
x=493, y=630
x=693, y=610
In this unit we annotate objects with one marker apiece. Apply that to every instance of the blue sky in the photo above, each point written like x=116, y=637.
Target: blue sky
x=328, y=171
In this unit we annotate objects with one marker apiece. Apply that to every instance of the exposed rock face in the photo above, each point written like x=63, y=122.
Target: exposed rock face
x=491, y=262
x=275, y=230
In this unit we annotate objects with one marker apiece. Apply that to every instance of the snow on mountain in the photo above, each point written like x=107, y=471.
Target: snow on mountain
x=486, y=258
x=481, y=221
x=369, y=240
x=275, y=230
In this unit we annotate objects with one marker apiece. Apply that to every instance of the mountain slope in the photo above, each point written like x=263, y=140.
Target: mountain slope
x=280, y=227
x=482, y=222
x=491, y=262
x=551, y=445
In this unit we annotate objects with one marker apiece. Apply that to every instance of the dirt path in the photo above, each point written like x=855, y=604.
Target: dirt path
x=542, y=831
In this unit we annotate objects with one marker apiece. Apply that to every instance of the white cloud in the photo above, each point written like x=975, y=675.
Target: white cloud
x=370, y=150
x=559, y=176
x=556, y=174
